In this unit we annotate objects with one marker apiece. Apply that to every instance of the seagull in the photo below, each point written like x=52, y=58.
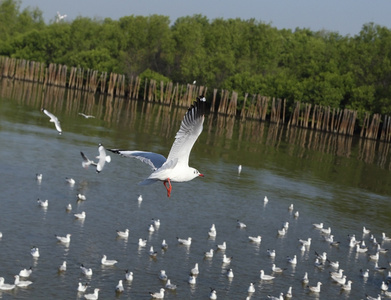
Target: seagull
x=251, y=288
x=322, y=256
x=281, y=232
x=64, y=239
x=334, y=264
x=296, y=214
x=169, y=285
x=39, y=176
x=119, y=288
x=176, y=167
x=93, y=296
x=290, y=208
x=373, y=298
x=6, y=286
x=239, y=169
x=222, y=246
x=338, y=274
x=347, y=286
x=289, y=293
x=108, y=262
x=240, y=224
x=195, y=270
x=277, y=269
x=23, y=283
x=86, y=161
x=305, y=278
x=341, y=281
x=163, y=275
x=230, y=273
x=271, y=253
x=103, y=158
x=315, y=289
x=140, y=198
x=265, y=277
x=68, y=207
x=128, y=275
x=361, y=249
x=26, y=272
x=385, y=238
x=82, y=287
x=86, y=271
x=364, y=273
x=71, y=181
x=81, y=197
x=86, y=116
x=34, y=252
x=265, y=200
x=142, y=243
x=305, y=242
x=255, y=239
x=192, y=279
x=186, y=242
x=42, y=203
x=63, y=267
x=318, y=225
x=293, y=260
x=155, y=223
x=281, y=297
x=81, y=215
x=60, y=17
x=123, y=234
x=213, y=294
x=374, y=256
x=151, y=228
x=152, y=253
x=53, y=119
x=326, y=230
x=365, y=230
x=209, y=254
x=227, y=260
x=380, y=269
x=212, y=233
x=384, y=286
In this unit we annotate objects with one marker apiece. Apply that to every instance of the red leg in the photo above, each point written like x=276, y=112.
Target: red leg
x=169, y=188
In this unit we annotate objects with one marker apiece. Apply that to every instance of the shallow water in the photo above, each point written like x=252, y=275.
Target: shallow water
x=327, y=178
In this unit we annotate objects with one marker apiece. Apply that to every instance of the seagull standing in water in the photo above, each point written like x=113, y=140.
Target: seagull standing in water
x=53, y=119
x=176, y=167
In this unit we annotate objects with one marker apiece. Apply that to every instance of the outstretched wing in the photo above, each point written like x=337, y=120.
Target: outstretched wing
x=153, y=159
x=191, y=128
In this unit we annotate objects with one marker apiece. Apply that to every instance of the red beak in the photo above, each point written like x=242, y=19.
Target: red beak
x=202, y=175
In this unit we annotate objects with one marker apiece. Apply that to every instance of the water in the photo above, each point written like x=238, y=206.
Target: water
x=327, y=178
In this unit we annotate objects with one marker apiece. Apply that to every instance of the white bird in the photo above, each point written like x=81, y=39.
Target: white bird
x=347, y=286
x=176, y=167
x=64, y=239
x=71, y=181
x=6, y=286
x=305, y=278
x=293, y=260
x=263, y=276
x=361, y=249
x=334, y=264
x=86, y=271
x=277, y=269
x=93, y=296
x=281, y=297
x=240, y=224
x=222, y=246
x=209, y=254
x=151, y=228
x=239, y=169
x=23, y=283
x=169, y=285
x=81, y=197
x=255, y=239
x=285, y=225
x=281, y=232
x=103, y=158
x=53, y=119
x=374, y=256
x=128, y=275
x=123, y=234
x=227, y=260
x=192, y=279
x=289, y=293
x=26, y=272
x=212, y=233
x=63, y=267
x=163, y=275
x=378, y=268
x=38, y=176
x=326, y=230
x=341, y=281
x=68, y=207
x=251, y=288
x=213, y=294
x=384, y=286
x=81, y=215
x=86, y=116
x=142, y=243
x=322, y=256
x=385, y=238
x=305, y=242
x=230, y=273
x=195, y=270
x=365, y=230
x=186, y=242
x=338, y=274
x=151, y=252
x=318, y=225
x=159, y=295
x=315, y=289
x=156, y=223
x=82, y=287
x=265, y=200
x=364, y=273
x=290, y=207
x=60, y=17
x=34, y=252
x=42, y=203
x=296, y=214
x=119, y=288
x=164, y=245
x=108, y=262
x=373, y=298
x=86, y=161
x=271, y=253
x=140, y=198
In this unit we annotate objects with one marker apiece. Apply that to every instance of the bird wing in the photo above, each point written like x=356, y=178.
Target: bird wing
x=155, y=160
x=189, y=131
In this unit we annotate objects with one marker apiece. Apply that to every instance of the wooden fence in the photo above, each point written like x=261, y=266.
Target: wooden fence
x=341, y=121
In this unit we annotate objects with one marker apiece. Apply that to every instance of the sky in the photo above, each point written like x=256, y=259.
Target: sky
x=343, y=16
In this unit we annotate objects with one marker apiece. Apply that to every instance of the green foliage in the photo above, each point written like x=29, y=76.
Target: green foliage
x=247, y=56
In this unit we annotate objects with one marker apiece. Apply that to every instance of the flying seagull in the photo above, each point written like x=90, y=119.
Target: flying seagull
x=86, y=161
x=53, y=119
x=176, y=167
x=86, y=116
x=103, y=158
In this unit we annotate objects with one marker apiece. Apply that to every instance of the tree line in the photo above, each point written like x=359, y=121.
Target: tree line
x=248, y=56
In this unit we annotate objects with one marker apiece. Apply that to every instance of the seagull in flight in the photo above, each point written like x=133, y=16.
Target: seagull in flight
x=53, y=119
x=103, y=158
x=176, y=167
x=86, y=116
x=86, y=161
